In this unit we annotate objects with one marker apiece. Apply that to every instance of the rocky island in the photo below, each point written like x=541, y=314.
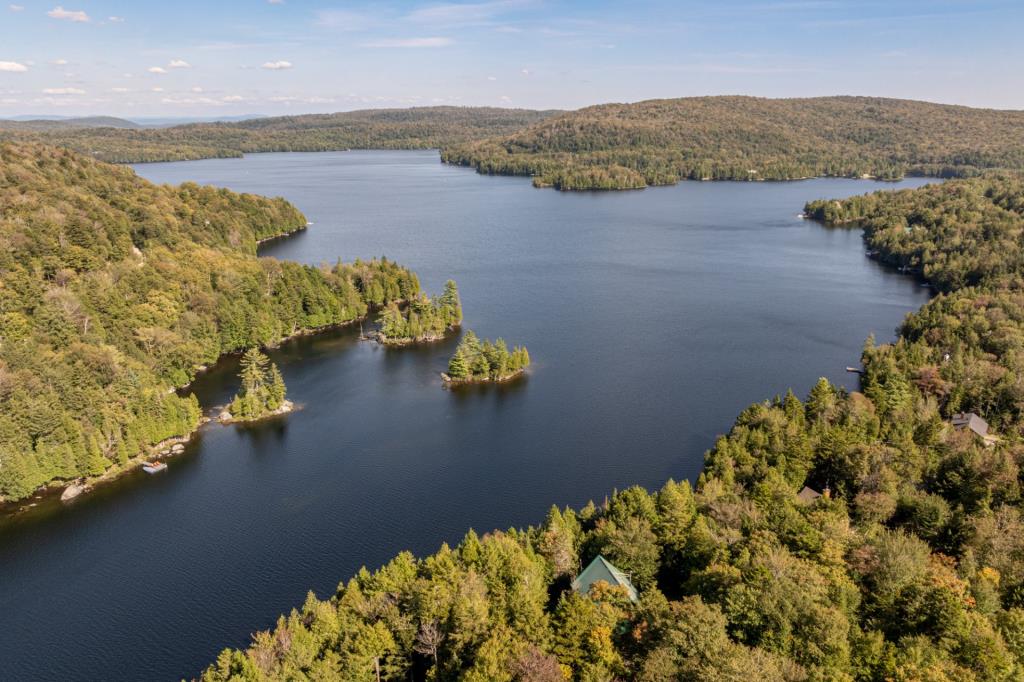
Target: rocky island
x=477, y=361
x=262, y=393
x=423, y=320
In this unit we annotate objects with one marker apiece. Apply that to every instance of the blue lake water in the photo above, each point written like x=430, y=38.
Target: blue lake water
x=652, y=318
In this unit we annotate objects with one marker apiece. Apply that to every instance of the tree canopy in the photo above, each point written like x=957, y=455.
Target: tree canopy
x=114, y=291
x=414, y=128
x=908, y=566
x=658, y=142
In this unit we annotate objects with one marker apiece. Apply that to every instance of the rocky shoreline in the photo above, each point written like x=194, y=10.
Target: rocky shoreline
x=225, y=417
x=449, y=381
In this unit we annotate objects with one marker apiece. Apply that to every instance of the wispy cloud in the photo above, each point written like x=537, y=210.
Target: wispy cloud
x=63, y=91
x=277, y=66
x=116, y=20
x=450, y=14
x=59, y=62
x=13, y=67
x=179, y=64
x=410, y=42
x=346, y=20
x=59, y=12
x=16, y=8
x=157, y=69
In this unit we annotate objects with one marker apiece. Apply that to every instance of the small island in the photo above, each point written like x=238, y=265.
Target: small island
x=477, y=361
x=262, y=393
x=423, y=320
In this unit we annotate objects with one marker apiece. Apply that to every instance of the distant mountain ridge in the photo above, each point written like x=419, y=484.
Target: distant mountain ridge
x=417, y=128
x=55, y=123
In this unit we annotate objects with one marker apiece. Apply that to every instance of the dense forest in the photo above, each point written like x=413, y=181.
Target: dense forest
x=416, y=128
x=609, y=146
x=478, y=361
x=422, y=319
x=114, y=290
x=852, y=535
x=657, y=142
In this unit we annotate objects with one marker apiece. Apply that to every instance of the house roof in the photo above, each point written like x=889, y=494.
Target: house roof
x=601, y=570
x=970, y=421
x=808, y=494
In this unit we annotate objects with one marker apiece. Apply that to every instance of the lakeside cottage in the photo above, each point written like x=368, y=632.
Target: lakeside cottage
x=808, y=495
x=972, y=422
x=969, y=420
x=600, y=570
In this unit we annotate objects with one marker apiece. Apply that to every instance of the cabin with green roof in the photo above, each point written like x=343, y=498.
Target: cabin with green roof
x=601, y=570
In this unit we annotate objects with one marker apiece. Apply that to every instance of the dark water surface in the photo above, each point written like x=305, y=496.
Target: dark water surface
x=652, y=317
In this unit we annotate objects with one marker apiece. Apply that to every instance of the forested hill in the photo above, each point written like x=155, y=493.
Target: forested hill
x=621, y=146
x=903, y=561
x=114, y=290
x=416, y=128
x=42, y=124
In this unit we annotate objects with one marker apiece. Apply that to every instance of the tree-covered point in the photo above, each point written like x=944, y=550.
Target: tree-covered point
x=414, y=128
x=657, y=142
x=903, y=561
x=113, y=290
x=262, y=392
x=423, y=319
x=475, y=360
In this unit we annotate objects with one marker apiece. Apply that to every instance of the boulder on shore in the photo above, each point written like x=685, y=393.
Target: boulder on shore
x=73, y=491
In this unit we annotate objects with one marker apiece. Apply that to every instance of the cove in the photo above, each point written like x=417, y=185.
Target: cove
x=652, y=319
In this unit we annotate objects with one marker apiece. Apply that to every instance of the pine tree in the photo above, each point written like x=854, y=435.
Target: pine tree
x=253, y=370
x=457, y=367
x=276, y=391
x=451, y=304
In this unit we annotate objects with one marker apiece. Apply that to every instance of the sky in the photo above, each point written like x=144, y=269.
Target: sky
x=236, y=57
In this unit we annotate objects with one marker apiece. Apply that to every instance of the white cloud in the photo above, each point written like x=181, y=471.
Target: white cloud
x=119, y=89
x=283, y=98
x=59, y=12
x=157, y=69
x=157, y=89
x=232, y=98
x=526, y=72
x=15, y=8
x=179, y=64
x=277, y=66
x=275, y=2
x=116, y=20
x=197, y=89
x=492, y=78
x=59, y=62
x=410, y=42
x=63, y=91
x=13, y=67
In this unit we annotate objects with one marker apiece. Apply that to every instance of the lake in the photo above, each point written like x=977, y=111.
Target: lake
x=652, y=318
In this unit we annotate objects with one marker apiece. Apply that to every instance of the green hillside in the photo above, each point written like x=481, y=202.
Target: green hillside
x=626, y=146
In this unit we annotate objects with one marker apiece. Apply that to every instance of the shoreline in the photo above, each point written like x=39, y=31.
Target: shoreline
x=450, y=382
x=300, y=228
x=287, y=407
x=163, y=449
